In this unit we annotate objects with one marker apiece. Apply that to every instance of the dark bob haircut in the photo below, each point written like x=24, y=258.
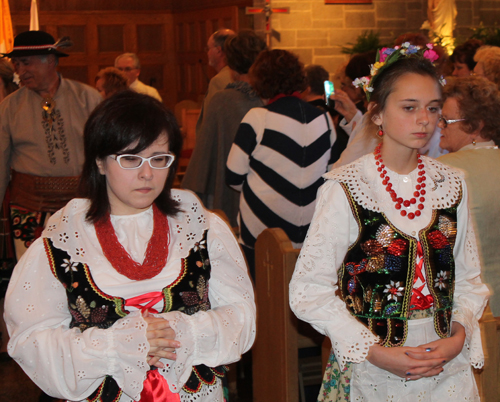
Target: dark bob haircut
x=242, y=49
x=277, y=72
x=316, y=76
x=385, y=80
x=465, y=53
x=359, y=64
x=131, y=122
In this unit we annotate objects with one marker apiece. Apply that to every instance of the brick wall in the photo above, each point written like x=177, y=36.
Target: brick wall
x=317, y=32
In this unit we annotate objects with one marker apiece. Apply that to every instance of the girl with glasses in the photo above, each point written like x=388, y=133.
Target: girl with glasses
x=135, y=290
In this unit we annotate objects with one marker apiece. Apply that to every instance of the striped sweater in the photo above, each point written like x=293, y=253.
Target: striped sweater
x=278, y=156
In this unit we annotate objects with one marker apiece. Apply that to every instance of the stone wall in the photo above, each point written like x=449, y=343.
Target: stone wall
x=473, y=12
x=317, y=32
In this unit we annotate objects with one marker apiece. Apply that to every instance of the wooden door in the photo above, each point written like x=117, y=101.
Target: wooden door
x=100, y=36
x=192, y=30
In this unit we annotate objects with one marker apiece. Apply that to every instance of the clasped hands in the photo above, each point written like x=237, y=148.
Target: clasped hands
x=425, y=360
x=161, y=338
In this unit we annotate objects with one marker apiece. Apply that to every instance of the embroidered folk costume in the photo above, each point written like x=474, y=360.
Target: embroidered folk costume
x=367, y=274
x=41, y=142
x=72, y=293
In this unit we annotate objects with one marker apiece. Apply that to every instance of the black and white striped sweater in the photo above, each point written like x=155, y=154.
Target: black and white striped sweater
x=276, y=161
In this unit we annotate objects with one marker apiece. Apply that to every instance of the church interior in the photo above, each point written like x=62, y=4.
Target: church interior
x=170, y=39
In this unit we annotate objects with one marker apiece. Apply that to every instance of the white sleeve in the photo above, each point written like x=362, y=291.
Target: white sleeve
x=314, y=282
x=220, y=335
x=470, y=294
x=63, y=362
x=349, y=127
x=362, y=141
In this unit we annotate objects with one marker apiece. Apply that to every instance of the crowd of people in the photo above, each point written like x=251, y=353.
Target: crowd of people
x=127, y=288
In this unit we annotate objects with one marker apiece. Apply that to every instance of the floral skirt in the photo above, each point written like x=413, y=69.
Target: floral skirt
x=19, y=228
x=336, y=382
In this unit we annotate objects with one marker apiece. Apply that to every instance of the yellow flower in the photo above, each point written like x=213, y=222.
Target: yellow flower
x=376, y=67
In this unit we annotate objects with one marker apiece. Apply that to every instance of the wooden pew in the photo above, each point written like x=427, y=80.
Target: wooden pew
x=188, y=131
x=275, y=357
x=275, y=352
x=488, y=378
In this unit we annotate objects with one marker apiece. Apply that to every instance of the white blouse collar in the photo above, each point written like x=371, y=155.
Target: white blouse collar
x=362, y=178
x=70, y=232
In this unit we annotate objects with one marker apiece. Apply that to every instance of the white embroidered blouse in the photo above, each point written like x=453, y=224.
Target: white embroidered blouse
x=334, y=228
x=67, y=363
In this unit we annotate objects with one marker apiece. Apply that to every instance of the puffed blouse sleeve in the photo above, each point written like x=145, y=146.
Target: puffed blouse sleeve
x=470, y=294
x=63, y=362
x=314, y=282
x=226, y=331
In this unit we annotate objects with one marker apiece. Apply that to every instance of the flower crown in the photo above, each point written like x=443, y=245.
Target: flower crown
x=387, y=56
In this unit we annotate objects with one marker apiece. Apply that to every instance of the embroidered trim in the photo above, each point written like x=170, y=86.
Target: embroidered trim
x=360, y=175
x=167, y=293
x=67, y=226
x=360, y=255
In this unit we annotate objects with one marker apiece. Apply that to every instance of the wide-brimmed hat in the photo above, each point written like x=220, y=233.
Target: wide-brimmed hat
x=35, y=43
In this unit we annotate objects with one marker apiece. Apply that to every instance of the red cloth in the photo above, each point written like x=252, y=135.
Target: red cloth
x=156, y=389
x=279, y=96
x=418, y=300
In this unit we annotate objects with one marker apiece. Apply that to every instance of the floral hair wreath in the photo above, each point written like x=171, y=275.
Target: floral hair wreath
x=387, y=56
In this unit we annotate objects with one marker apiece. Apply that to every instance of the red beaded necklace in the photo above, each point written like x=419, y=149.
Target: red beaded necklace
x=156, y=251
x=419, y=188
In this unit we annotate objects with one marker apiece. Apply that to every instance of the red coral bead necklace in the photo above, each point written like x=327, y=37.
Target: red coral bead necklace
x=418, y=194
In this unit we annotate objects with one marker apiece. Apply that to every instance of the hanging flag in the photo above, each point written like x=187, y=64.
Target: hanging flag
x=6, y=33
x=34, y=26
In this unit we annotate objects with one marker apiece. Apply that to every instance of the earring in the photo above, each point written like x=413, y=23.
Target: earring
x=474, y=141
x=380, y=132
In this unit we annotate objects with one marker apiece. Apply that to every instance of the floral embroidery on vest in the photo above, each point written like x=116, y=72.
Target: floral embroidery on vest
x=90, y=307
x=376, y=279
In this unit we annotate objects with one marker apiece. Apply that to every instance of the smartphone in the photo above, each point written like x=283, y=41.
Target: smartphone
x=328, y=91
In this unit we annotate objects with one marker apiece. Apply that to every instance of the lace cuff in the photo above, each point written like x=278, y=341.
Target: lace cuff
x=128, y=350
x=472, y=337
x=352, y=347
x=348, y=127
x=177, y=372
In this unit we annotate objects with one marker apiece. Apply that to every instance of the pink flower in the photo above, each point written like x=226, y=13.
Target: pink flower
x=382, y=55
x=431, y=55
x=430, y=46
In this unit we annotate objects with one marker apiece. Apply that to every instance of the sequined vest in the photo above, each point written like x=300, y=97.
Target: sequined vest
x=90, y=307
x=377, y=276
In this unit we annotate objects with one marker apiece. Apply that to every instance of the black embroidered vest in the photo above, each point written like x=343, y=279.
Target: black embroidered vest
x=377, y=276
x=90, y=307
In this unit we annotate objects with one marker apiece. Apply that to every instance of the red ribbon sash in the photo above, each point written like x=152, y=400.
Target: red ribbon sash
x=156, y=389
x=150, y=298
x=418, y=300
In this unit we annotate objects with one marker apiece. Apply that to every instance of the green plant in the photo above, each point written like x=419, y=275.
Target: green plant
x=489, y=35
x=365, y=42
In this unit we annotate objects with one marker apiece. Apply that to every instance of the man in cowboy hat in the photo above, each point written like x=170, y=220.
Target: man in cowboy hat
x=41, y=135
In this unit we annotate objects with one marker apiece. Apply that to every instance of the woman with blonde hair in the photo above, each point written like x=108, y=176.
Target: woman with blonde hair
x=488, y=63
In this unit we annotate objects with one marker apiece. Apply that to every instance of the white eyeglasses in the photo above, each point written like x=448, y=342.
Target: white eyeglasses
x=446, y=121
x=128, y=161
